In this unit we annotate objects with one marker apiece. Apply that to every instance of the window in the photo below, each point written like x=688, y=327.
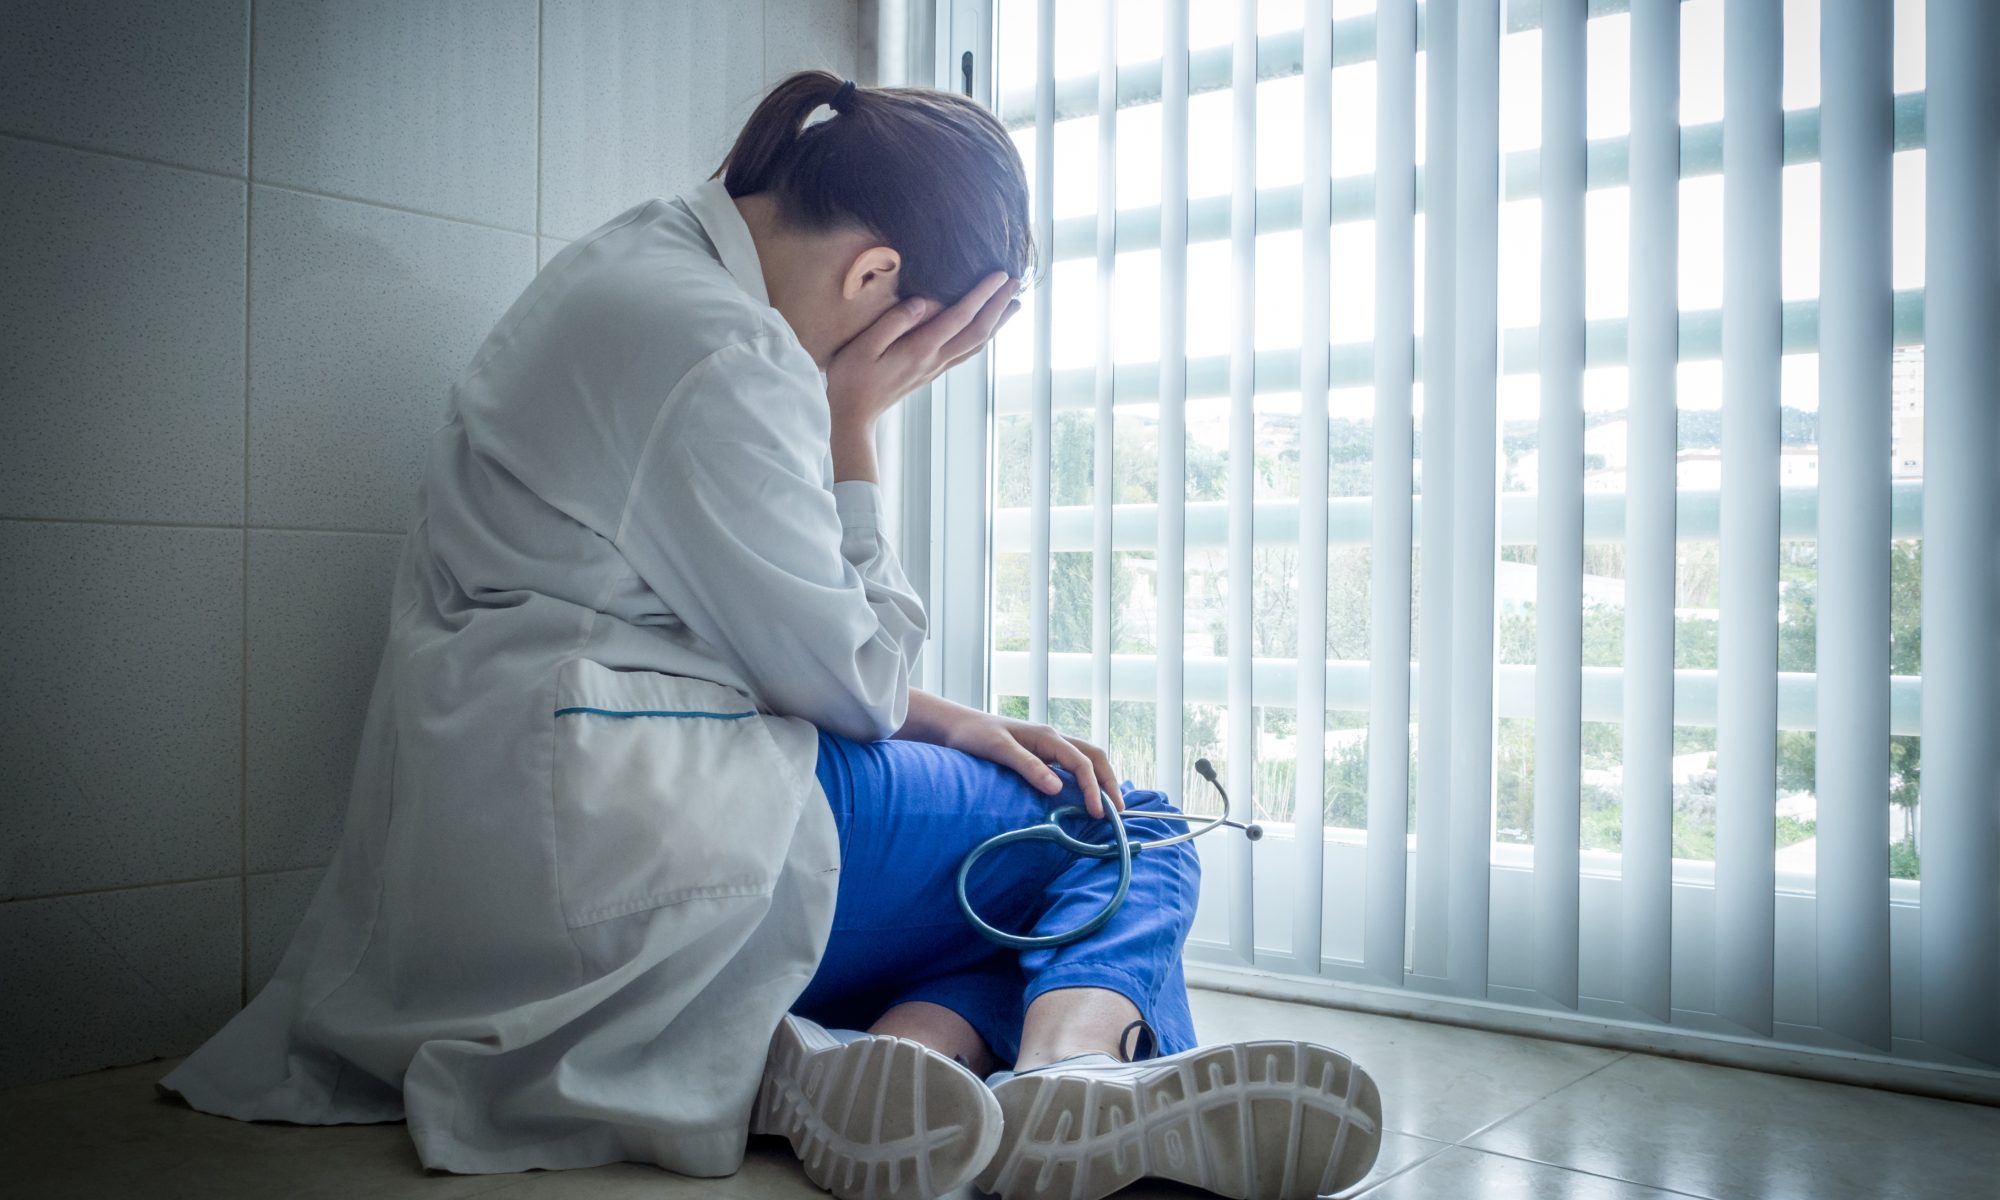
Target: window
x=1673, y=528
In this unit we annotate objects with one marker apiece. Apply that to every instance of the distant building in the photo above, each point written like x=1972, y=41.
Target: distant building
x=1906, y=419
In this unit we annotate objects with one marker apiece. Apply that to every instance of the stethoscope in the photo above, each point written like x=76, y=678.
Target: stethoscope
x=1121, y=847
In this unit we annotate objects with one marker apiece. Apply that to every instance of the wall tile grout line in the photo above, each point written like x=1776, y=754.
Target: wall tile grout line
x=384, y=204
x=231, y=527
x=255, y=182
x=243, y=628
x=241, y=528
x=238, y=876
x=541, y=52
x=15, y=135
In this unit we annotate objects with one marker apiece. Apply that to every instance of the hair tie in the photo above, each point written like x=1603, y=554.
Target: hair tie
x=841, y=97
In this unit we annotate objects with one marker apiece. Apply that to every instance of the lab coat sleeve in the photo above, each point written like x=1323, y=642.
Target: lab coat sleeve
x=731, y=524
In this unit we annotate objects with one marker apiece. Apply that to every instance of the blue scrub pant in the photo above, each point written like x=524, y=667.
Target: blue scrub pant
x=908, y=814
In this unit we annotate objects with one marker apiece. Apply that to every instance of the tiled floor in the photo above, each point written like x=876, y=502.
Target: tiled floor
x=1470, y=1115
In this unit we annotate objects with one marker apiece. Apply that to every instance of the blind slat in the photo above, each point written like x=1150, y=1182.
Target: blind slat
x=1652, y=333
x=1041, y=416
x=1608, y=165
x=1104, y=439
x=1243, y=731
x=1430, y=937
x=1474, y=511
x=1559, y=512
x=1315, y=309
x=1852, y=768
x=1211, y=69
x=1960, y=836
x=1856, y=506
x=1747, y=641
x=1169, y=552
x=1390, y=528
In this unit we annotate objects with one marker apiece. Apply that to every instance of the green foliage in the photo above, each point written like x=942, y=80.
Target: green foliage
x=1696, y=643
x=1791, y=831
x=1701, y=428
x=1070, y=715
x=1602, y=829
x=1069, y=602
x=1906, y=617
x=1797, y=749
x=1798, y=606
x=1694, y=839
x=1514, y=775
x=1689, y=739
x=1350, y=457
x=1135, y=479
x=1345, y=789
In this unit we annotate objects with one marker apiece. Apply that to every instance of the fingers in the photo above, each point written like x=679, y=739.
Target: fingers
x=1064, y=753
x=891, y=325
x=1013, y=306
x=1100, y=762
x=998, y=307
x=1028, y=765
x=948, y=324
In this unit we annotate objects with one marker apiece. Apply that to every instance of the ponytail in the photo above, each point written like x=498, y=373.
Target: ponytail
x=929, y=172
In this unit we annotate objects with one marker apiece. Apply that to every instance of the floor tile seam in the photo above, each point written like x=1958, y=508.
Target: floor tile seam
x=1441, y=1146
x=1543, y=1162
x=1543, y=1098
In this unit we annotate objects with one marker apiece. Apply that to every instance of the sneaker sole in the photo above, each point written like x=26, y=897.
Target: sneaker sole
x=878, y=1119
x=1249, y=1120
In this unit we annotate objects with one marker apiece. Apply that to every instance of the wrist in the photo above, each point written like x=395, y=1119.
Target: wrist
x=853, y=450
x=936, y=720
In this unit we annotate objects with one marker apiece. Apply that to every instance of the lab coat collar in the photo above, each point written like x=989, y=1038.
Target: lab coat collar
x=712, y=206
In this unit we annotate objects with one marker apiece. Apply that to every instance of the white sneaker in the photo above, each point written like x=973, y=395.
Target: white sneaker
x=875, y=1118
x=1250, y=1120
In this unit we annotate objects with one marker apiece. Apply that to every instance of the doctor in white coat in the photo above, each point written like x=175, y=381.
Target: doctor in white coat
x=591, y=859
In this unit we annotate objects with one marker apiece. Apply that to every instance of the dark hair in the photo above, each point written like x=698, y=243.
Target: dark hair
x=929, y=172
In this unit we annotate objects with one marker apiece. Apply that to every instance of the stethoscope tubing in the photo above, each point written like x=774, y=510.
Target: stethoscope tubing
x=1120, y=847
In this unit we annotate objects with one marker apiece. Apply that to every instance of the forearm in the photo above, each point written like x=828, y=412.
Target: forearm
x=1027, y=749
x=931, y=717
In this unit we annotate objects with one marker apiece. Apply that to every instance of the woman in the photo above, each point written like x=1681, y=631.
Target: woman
x=643, y=769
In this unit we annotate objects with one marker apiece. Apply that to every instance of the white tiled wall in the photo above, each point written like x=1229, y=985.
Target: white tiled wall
x=245, y=253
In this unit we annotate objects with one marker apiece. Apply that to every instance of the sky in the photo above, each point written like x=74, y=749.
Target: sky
x=1278, y=255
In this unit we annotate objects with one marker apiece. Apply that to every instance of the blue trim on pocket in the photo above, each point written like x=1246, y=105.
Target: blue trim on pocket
x=605, y=712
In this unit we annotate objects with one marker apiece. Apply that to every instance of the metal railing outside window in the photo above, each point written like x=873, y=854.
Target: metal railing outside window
x=1669, y=356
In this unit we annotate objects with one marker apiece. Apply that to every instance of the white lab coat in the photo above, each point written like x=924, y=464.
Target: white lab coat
x=558, y=938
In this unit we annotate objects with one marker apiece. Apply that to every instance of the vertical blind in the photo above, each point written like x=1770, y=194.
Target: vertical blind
x=1545, y=453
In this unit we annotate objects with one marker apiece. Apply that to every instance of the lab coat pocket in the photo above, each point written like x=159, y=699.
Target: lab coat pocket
x=666, y=789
